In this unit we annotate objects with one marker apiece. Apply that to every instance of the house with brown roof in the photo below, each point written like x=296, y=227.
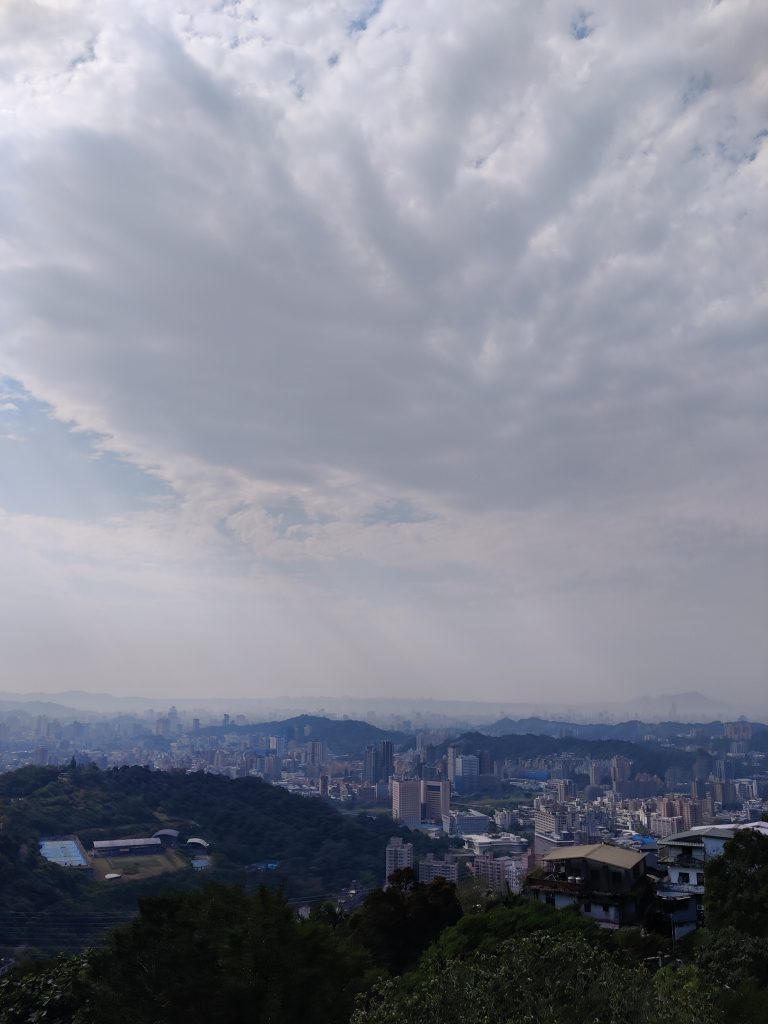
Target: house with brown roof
x=605, y=883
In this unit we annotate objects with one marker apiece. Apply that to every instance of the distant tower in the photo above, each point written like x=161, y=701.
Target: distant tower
x=316, y=753
x=621, y=769
x=371, y=765
x=453, y=753
x=386, y=760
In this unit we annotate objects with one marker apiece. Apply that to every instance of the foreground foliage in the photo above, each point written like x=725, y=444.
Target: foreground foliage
x=217, y=955
x=398, y=923
x=544, y=977
x=407, y=956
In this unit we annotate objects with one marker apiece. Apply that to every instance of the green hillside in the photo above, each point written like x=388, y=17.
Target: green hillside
x=317, y=849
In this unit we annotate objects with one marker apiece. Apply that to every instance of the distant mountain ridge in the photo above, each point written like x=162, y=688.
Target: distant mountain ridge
x=632, y=730
x=406, y=713
x=34, y=708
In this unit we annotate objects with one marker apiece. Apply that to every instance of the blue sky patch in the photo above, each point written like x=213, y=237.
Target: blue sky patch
x=580, y=27
x=360, y=24
x=47, y=468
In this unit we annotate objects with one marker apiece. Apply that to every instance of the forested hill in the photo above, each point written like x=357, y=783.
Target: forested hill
x=317, y=849
x=344, y=736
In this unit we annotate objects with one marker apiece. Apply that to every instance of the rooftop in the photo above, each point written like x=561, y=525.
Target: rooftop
x=695, y=836
x=614, y=856
x=103, y=844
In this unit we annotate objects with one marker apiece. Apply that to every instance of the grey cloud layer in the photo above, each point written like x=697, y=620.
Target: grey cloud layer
x=497, y=267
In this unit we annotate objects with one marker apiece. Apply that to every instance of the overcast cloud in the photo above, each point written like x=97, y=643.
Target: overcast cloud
x=384, y=347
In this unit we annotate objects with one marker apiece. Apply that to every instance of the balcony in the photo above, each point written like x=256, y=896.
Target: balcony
x=557, y=883
x=682, y=860
x=689, y=888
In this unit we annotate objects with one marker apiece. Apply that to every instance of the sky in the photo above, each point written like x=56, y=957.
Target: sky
x=384, y=348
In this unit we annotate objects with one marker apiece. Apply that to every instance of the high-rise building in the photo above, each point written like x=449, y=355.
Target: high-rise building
x=386, y=761
x=621, y=771
x=435, y=799
x=316, y=753
x=467, y=773
x=453, y=753
x=399, y=855
x=370, y=765
x=278, y=745
x=740, y=732
x=406, y=802
x=565, y=789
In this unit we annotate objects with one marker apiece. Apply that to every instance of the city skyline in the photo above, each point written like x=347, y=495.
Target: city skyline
x=384, y=350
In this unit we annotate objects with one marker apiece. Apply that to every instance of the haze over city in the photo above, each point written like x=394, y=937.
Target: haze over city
x=384, y=350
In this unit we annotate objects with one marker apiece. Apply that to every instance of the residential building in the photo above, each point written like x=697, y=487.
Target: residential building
x=430, y=869
x=685, y=856
x=501, y=874
x=399, y=855
x=605, y=883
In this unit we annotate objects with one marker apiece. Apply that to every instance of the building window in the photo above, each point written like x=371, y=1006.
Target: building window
x=684, y=877
x=699, y=878
x=550, y=899
x=606, y=908
x=587, y=908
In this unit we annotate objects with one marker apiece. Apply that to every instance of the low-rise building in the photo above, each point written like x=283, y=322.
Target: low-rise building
x=685, y=855
x=605, y=883
x=461, y=823
x=430, y=868
x=503, y=844
x=501, y=874
x=126, y=847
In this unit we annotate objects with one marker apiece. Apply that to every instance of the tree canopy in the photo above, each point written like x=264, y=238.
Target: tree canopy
x=539, y=979
x=737, y=885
